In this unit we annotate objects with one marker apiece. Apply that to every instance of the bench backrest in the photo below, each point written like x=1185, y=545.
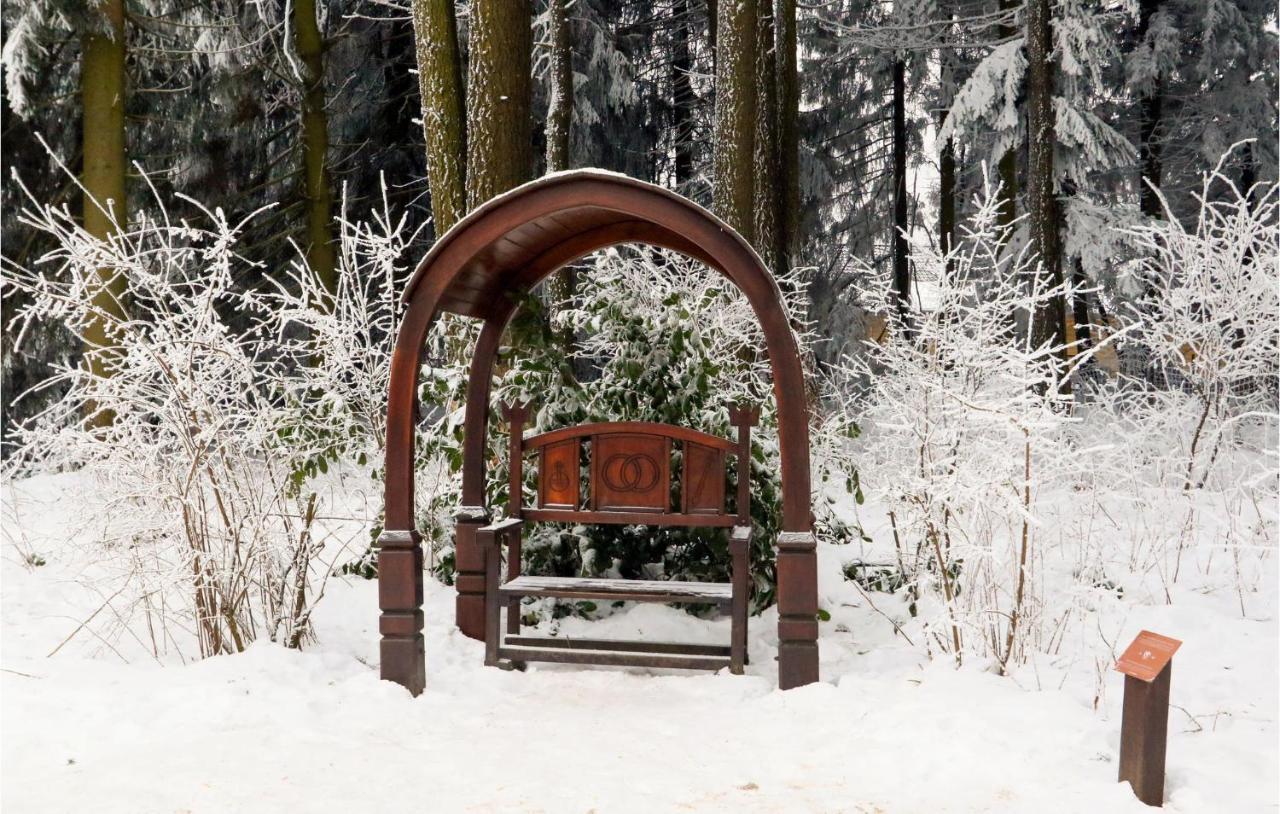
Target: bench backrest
x=629, y=472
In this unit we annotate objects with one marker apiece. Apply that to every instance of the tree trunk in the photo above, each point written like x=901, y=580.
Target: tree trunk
x=1042, y=209
x=947, y=198
x=788, y=129
x=102, y=90
x=713, y=22
x=901, y=267
x=1249, y=177
x=681, y=93
x=321, y=256
x=733, y=144
x=1080, y=306
x=499, y=90
x=1150, y=109
x=1007, y=167
x=560, y=99
x=559, y=119
x=947, y=156
x=767, y=184
x=443, y=111
x=1078, y=318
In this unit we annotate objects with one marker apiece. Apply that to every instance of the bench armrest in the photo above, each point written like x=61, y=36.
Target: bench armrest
x=491, y=538
x=500, y=530
x=740, y=540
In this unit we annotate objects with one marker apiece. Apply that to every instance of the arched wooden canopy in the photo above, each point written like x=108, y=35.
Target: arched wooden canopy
x=481, y=268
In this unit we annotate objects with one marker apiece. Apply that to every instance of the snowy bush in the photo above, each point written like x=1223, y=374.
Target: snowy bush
x=1014, y=512
x=221, y=408
x=1211, y=319
x=965, y=420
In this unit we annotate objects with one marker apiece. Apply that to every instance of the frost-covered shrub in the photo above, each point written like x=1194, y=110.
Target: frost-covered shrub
x=1211, y=320
x=1013, y=511
x=964, y=420
x=224, y=406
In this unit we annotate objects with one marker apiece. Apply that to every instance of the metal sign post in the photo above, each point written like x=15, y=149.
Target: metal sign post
x=1147, y=666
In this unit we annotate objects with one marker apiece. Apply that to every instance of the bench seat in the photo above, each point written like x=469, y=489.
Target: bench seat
x=631, y=590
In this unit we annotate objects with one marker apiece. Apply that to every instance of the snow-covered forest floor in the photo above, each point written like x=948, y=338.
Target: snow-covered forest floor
x=100, y=725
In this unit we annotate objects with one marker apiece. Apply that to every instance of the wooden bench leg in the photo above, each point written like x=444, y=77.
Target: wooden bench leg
x=738, y=622
x=513, y=571
x=738, y=638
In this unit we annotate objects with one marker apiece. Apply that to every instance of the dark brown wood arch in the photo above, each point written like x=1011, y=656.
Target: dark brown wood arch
x=504, y=248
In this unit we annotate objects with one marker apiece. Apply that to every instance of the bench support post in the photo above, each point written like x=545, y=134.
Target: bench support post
x=515, y=415
x=492, y=551
x=740, y=548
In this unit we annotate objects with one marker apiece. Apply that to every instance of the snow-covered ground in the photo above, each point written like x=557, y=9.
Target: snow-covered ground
x=887, y=730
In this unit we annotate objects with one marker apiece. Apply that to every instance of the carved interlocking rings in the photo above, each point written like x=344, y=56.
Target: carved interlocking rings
x=559, y=480
x=634, y=472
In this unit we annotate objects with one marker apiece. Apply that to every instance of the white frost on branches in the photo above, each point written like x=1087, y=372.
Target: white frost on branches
x=1211, y=318
x=964, y=426
x=222, y=408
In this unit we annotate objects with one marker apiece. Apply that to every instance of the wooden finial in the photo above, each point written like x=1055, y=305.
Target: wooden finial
x=744, y=414
x=515, y=413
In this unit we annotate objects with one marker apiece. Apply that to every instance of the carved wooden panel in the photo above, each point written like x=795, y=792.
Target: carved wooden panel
x=558, y=485
x=702, y=485
x=630, y=473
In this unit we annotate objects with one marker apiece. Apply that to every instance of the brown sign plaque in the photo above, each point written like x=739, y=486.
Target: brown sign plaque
x=1147, y=655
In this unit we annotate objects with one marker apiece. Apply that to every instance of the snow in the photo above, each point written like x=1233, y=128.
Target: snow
x=887, y=730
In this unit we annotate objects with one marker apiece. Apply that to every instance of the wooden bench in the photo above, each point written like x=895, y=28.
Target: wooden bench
x=628, y=483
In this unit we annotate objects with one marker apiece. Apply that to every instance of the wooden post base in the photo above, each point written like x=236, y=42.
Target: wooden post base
x=403, y=655
x=404, y=659
x=1144, y=730
x=469, y=559
x=797, y=609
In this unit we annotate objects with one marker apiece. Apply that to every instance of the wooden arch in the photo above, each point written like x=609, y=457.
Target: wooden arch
x=476, y=269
